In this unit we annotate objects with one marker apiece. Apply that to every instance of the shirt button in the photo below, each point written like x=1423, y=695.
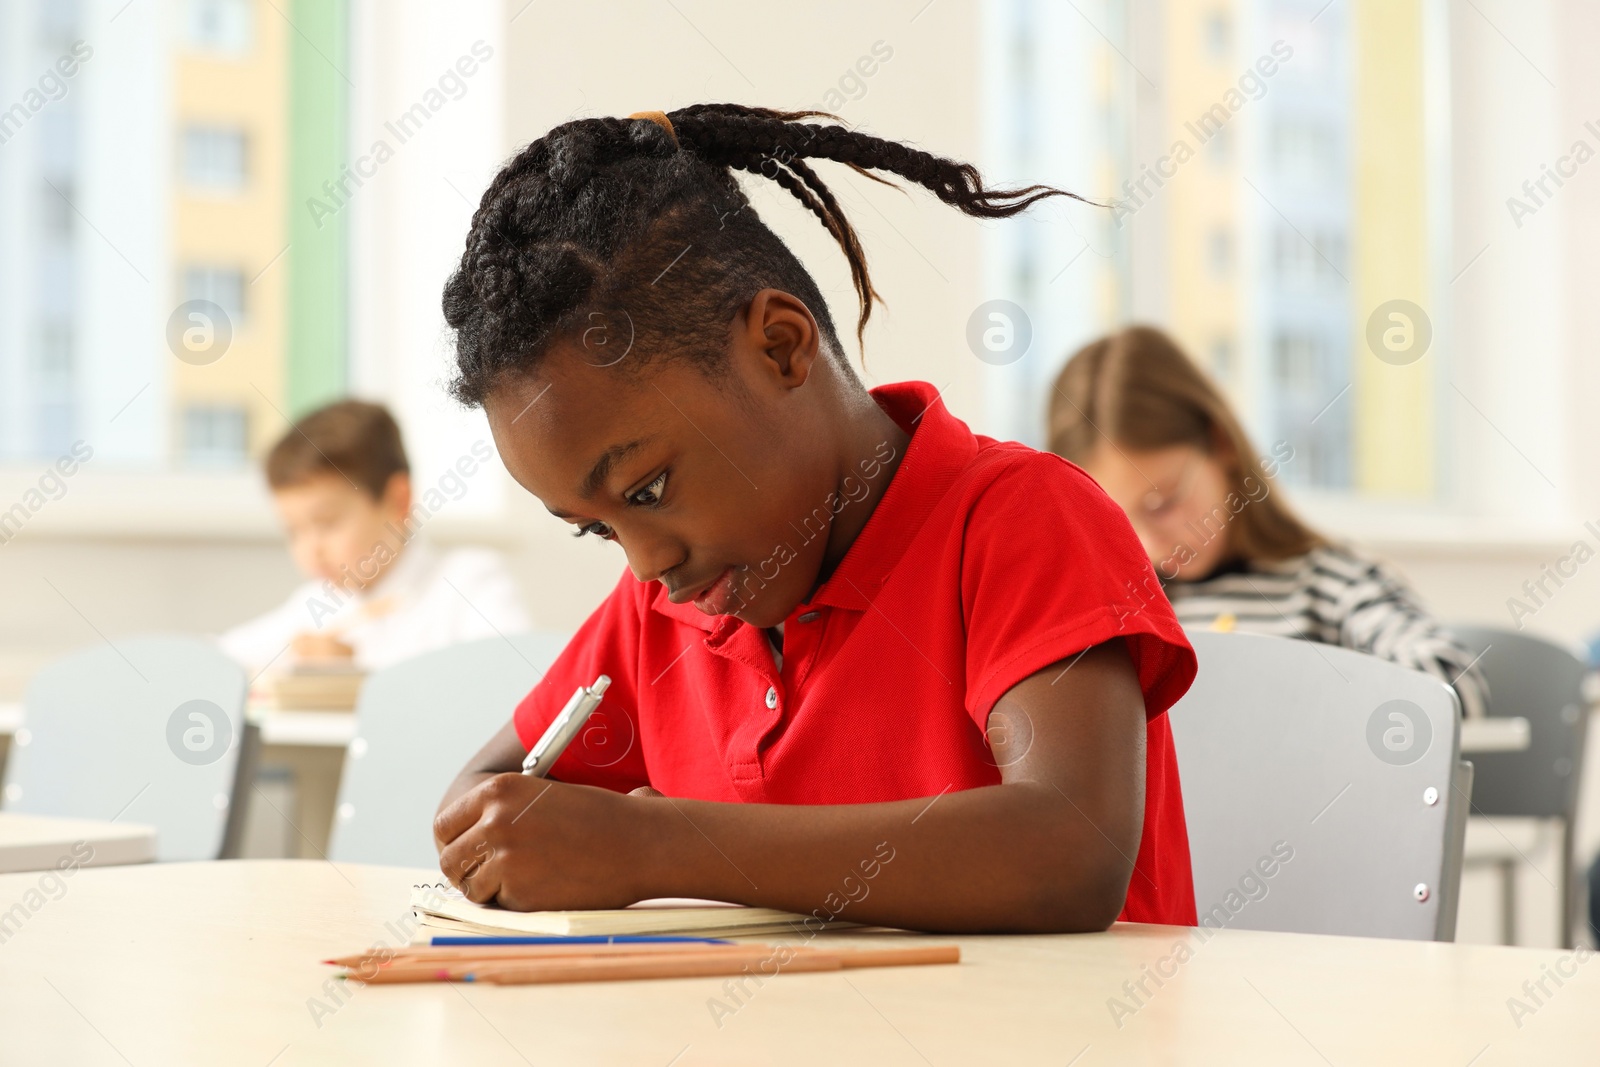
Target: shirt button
x=810, y=616
x=772, y=697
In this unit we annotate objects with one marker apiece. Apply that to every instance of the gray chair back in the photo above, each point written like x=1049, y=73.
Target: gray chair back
x=1543, y=682
x=145, y=730
x=417, y=724
x=1322, y=790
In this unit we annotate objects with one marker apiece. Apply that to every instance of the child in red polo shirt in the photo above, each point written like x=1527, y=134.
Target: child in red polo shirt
x=867, y=664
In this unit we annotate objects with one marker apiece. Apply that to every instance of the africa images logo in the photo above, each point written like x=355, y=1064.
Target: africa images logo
x=1398, y=732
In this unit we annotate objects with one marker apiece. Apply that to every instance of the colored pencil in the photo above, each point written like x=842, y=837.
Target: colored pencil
x=518, y=965
x=623, y=969
x=582, y=939
x=468, y=952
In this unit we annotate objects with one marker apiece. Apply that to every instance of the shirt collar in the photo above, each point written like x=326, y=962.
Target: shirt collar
x=941, y=447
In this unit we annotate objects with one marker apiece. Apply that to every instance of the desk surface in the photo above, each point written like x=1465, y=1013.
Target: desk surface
x=217, y=962
x=39, y=842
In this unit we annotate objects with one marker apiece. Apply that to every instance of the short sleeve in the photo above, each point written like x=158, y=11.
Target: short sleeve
x=1050, y=568
x=608, y=752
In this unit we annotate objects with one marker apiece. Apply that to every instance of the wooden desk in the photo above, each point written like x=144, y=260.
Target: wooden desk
x=39, y=842
x=216, y=963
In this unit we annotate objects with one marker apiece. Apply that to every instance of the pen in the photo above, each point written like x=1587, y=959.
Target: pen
x=581, y=939
x=566, y=726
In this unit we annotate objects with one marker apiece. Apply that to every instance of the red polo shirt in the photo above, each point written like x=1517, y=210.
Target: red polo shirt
x=984, y=562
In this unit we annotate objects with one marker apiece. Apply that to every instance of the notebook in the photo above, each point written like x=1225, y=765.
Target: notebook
x=443, y=912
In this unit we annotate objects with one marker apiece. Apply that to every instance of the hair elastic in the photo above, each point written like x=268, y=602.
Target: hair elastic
x=660, y=119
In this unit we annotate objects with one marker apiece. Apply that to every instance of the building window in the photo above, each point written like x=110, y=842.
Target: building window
x=54, y=367
x=1219, y=252
x=1307, y=258
x=221, y=25
x=1219, y=35
x=222, y=286
x=1222, y=358
x=1297, y=362
x=1219, y=148
x=215, y=435
x=214, y=158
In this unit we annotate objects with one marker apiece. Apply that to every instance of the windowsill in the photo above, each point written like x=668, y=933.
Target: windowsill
x=1409, y=526
x=224, y=506
x=234, y=506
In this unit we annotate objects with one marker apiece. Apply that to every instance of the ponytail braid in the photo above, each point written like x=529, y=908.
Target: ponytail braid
x=611, y=220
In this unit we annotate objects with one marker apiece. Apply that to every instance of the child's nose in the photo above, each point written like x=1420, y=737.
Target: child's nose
x=650, y=558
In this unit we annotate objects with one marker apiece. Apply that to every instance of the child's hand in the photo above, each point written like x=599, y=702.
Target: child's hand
x=532, y=844
x=320, y=646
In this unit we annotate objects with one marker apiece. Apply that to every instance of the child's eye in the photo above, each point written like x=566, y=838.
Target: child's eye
x=651, y=495
x=648, y=497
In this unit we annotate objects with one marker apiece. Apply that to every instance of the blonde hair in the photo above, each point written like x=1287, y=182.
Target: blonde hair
x=1139, y=390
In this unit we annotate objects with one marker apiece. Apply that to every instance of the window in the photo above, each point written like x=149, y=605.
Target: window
x=1219, y=35
x=214, y=158
x=1222, y=359
x=221, y=25
x=1257, y=255
x=1219, y=252
x=1219, y=148
x=1302, y=149
x=1307, y=259
x=54, y=369
x=102, y=248
x=215, y=436
x=222, y=286
x=1297, y=360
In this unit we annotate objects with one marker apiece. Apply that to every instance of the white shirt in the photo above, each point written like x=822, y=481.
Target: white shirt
x=424, y=600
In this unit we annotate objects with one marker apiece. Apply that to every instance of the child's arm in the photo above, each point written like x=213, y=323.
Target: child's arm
x=1051, y=849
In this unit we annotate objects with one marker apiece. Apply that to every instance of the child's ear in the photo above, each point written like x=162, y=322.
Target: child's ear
x=780, y=331
x=396, y=500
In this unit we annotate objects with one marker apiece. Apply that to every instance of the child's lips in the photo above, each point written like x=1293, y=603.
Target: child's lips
x=721, y=596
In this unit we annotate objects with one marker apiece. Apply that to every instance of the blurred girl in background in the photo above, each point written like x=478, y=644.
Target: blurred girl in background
x=1146, y=423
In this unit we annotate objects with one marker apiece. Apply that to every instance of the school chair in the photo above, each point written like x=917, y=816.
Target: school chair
x=1322, y=789
x=1545, y=683
x=417, y=724
x=142, y=729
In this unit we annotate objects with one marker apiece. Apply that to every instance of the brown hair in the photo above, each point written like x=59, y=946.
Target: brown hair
x=1139, y=390
x=352, y=438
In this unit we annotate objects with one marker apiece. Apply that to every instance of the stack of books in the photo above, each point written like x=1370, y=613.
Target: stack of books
x=318, y=687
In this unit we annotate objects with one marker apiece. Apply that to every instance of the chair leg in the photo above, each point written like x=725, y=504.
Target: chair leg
x=1508, y=902
x=1568, y=897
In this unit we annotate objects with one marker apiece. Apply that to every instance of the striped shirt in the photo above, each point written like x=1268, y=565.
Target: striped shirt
x=1334, y=595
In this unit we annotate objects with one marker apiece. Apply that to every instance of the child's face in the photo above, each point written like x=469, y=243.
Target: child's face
x=338, y=532
x=1176, y=500
x=706, y=484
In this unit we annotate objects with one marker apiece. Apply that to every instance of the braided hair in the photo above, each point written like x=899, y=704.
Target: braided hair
x=640, y=226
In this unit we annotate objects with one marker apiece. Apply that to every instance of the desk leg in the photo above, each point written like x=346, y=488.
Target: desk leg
x=316, y=786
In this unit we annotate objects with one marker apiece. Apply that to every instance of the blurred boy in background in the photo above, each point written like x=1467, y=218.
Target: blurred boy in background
x=377, y=593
